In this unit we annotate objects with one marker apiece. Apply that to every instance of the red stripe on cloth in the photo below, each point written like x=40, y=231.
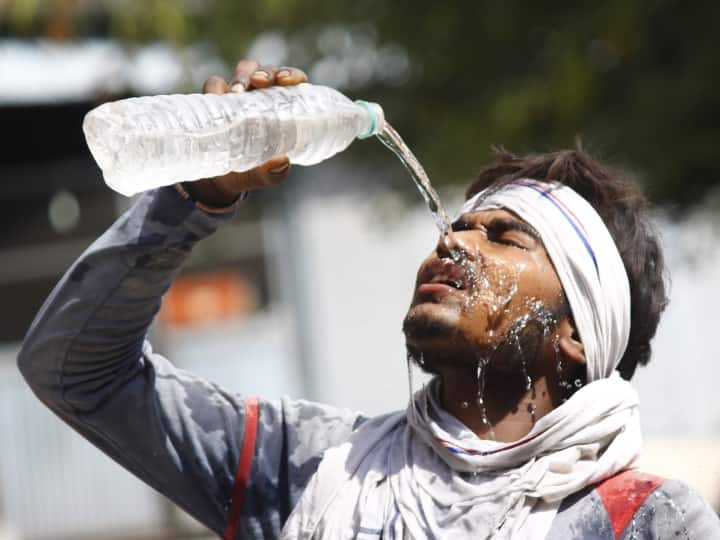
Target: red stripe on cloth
x=624, y=494
x=243, y=470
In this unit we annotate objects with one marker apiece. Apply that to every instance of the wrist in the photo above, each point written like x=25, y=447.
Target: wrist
x=210, y=193
x=208, y=197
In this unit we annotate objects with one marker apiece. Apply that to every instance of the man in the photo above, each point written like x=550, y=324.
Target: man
x=549, y=285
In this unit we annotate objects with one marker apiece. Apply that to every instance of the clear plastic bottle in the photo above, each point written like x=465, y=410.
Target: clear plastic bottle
x=148, y=142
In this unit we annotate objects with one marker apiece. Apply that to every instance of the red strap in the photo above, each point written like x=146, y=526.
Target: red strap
x=624, y=494
x=243, y=470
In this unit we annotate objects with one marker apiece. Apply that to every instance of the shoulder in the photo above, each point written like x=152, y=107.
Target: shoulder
x=638, y=505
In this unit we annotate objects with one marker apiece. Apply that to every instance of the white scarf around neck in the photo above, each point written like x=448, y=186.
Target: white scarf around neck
x=422, y=474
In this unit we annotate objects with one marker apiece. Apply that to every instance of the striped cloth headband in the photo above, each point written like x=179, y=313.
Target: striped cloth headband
x=586, y=260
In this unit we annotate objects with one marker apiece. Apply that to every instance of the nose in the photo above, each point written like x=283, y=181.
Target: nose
x=454, y=242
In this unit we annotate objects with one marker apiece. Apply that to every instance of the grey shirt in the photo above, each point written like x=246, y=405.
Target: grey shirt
x=87, y=358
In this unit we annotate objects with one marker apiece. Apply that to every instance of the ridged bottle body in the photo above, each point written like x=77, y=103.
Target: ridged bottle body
x=147, y=142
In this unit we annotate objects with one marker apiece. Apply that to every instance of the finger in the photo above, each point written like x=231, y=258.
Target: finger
x=269, y=173
x=287, y=76
x=241, y=76
x=215, y=85
x=263, y=77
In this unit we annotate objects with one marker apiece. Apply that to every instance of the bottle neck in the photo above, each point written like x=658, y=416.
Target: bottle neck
x=376, y=118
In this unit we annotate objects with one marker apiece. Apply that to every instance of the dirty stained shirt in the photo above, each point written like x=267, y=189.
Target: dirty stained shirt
x=87, y=358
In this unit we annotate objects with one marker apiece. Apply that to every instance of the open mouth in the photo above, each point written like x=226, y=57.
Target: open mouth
x=442, y=274
x=445, y=280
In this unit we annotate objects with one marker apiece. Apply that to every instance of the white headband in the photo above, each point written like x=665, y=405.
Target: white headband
x=586, y=260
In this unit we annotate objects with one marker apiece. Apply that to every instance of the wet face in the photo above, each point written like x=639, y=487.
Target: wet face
x=502, y=287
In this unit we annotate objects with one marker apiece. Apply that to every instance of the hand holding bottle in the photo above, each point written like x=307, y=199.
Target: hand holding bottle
x=223, y=190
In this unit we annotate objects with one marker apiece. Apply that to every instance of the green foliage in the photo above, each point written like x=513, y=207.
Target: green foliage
x=638, y=80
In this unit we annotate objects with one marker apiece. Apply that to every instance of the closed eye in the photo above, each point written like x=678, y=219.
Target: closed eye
x=512, y=233
x=507, y=240
x=501, y=230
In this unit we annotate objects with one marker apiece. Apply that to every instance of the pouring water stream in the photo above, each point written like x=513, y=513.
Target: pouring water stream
x=390, y=138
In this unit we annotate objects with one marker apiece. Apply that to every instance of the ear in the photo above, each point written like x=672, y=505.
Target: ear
x=570, y=343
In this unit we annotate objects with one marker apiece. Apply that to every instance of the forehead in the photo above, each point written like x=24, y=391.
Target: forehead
x=493, y=213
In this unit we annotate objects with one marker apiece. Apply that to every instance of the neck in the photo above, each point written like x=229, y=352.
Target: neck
x=508, y=409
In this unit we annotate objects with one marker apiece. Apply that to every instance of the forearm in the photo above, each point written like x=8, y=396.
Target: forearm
x=94, y=322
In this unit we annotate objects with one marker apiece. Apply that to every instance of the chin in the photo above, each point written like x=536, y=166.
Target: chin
x=445, y=334
x=435, y=332
x=430, y=322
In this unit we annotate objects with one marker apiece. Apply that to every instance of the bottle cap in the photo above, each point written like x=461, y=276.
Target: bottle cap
x=377, y=118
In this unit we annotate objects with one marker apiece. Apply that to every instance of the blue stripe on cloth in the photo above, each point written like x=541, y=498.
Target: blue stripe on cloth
x=571, y=221
x=367, y=530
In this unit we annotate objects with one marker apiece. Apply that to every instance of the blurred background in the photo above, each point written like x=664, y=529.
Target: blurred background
x=304, y=293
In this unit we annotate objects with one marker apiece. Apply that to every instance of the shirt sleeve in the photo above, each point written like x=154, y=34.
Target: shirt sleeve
x=86, y=357
x=675, y=510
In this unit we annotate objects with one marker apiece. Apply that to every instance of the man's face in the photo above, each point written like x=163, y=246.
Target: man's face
x=467, y=310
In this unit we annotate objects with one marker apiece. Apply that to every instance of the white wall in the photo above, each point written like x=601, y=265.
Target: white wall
x=680, y=386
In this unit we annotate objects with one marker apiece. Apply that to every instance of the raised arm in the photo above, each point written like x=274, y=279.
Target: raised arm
x=86, y=357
